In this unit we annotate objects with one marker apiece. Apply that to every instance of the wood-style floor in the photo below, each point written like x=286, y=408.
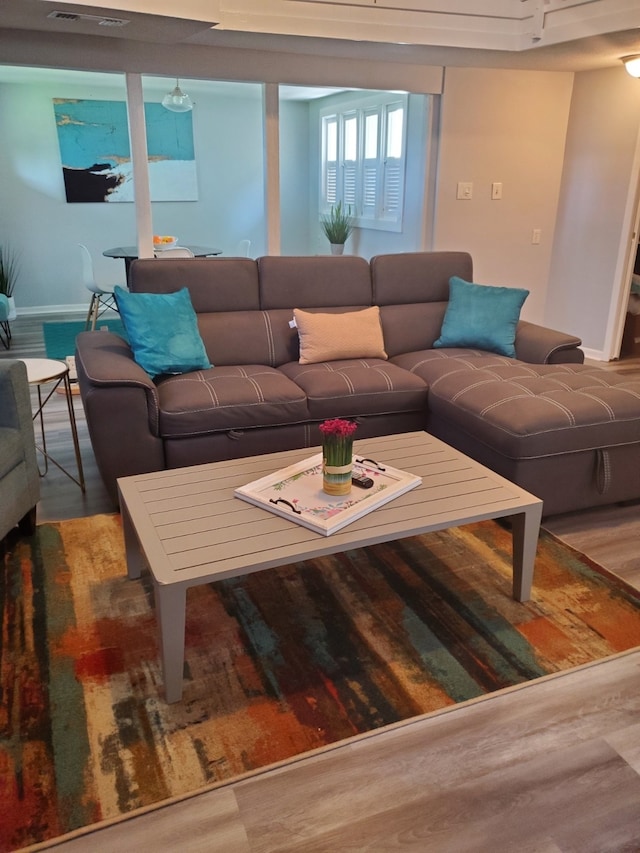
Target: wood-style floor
x=549, y=767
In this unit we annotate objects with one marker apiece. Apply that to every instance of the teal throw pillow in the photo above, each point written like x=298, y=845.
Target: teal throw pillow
x=481, y=317
x=163, y=331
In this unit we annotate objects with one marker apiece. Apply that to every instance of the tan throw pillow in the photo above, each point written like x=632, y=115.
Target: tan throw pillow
x=328, y=337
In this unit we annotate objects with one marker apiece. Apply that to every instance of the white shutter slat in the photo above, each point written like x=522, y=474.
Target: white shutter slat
x=349, y=184
x=392, y=201
x=331, y=185
x=370, y=188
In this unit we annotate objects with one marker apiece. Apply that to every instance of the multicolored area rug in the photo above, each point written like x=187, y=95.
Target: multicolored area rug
x=277, y=663
x=60, y=336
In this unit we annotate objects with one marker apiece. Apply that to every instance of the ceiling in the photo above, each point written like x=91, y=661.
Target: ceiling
x=556, y=35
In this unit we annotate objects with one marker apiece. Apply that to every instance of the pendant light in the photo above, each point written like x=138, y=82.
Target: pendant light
x=177, y=101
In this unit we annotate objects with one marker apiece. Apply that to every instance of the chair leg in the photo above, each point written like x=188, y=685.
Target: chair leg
x=95, y=312
x=87, y=325
x=5, y=334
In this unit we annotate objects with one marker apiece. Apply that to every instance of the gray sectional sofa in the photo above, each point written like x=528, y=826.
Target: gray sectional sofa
x=565, y=431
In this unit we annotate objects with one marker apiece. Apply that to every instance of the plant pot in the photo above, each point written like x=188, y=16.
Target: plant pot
x=12, y=308
x=337, y=248
x=336, y=480
x=337, y=463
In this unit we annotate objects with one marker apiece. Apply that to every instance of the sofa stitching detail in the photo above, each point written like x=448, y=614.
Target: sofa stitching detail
x=356, y=394
x=382, y=372
x=270, y=340
x=555, y=403
x=471, y=387
x=605, y=405
x=194, y=411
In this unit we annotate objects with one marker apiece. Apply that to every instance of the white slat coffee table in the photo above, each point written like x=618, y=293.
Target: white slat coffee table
x=190, y=529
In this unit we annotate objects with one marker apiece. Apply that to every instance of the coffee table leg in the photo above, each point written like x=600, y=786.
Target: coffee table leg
x=525, y=532
x=133, y=553
x=171, y=602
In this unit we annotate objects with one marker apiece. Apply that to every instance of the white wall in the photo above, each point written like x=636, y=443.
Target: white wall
x=587, y=291
x=506, y=126
x=45, y=230
x=295, y=177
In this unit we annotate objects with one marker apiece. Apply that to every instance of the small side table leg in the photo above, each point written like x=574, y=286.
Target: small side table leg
x=171, y=602
x=40, y=415
x=74, y=429
x=525, y=533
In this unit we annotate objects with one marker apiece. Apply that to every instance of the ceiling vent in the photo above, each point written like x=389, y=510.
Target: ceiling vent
x=100, y=20
x=64, y=16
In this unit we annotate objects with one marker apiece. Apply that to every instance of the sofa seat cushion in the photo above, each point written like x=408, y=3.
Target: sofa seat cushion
x=532, y=410
x=225, y=398
x=352, y=387
x=430, y=364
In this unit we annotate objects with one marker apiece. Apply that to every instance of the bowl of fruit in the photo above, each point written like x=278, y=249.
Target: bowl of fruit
x=165, y=242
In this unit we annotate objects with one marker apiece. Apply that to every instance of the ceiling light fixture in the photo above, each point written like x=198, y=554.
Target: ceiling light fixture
x=632, y=64
x=177, y=101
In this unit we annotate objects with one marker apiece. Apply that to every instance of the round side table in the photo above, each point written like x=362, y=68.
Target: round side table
x=40, y=371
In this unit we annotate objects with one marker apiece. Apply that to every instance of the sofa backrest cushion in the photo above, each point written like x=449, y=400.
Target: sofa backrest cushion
x=317, y=281
x=413, y=277
x=412, y=290
x=215, y=284
x=411, y=328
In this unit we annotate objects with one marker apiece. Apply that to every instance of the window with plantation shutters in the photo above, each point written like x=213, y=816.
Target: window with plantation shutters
x=363, y=159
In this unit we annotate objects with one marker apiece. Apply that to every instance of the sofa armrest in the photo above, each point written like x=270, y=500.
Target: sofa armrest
x=540, y=345
x=121, y=405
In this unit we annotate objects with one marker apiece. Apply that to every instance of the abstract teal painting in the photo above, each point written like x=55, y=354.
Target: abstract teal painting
x=96, y=155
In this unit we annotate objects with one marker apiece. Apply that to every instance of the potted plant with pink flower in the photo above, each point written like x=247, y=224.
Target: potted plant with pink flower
x=337, y=455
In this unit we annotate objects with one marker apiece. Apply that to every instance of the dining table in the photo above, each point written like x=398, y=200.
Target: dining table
x=130, y=254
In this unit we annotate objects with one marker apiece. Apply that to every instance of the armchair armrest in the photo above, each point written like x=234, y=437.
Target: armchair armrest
x=540, y=345
x=15, y=400
x=121, y=404
x=19, y=477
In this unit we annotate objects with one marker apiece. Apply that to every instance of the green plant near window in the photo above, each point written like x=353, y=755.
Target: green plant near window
x=8, y=270
x=337, y=224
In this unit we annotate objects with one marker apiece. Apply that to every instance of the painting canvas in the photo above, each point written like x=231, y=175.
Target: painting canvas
x=96, y=156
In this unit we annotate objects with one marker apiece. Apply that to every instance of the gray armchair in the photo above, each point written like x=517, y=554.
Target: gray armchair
x=19, y=477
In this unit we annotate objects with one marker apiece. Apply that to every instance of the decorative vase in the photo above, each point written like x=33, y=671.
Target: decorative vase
x=337, y=248
x=337, y=456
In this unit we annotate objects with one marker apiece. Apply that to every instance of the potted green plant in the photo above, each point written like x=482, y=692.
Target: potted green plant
x=8, y=276
x=337, y=226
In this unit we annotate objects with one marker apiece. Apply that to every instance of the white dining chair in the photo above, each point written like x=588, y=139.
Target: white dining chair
x=242, y=249
x=176, y=252
x=102, y=298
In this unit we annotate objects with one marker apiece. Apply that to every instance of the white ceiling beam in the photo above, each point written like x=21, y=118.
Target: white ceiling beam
x=511, y=25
